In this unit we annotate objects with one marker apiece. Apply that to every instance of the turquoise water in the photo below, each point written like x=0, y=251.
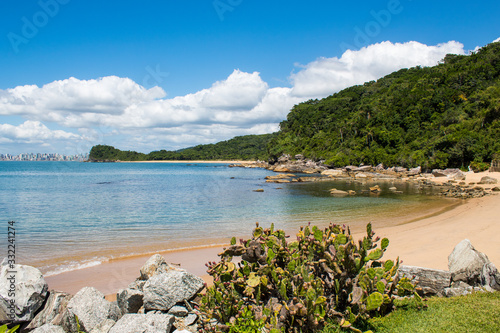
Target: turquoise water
x=70, y=215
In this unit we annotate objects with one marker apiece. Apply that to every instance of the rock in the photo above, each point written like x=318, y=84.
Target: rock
x=30, y=290
x=393, y=188
x=281, y=168
x=164, y=290
x=450, y=173
x=299, y=157
x=488, y=180
x=155, y=264
x=351, y=192
x=490, y=277
x=361, y=175
x=432, y=281
x=178, y=311
x=415, y=171
x=150, y=323
x=53, y=311
x=400, y=169
x=259, y=190
x=496, y=189
x=332, y=172
x=284, y=158
x=129, y=300
x=380, y=167
x=338, y=193
x=458, y=289
x=104, y=327
x=49, y=328
x=190, y=319
x=466, y=263
x=375, y=189
x=91, y=308
x=365, y=168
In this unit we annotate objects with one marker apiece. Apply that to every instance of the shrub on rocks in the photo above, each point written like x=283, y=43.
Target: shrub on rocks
x=294, y=286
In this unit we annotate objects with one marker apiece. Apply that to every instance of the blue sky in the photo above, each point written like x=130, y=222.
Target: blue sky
x=170, y=74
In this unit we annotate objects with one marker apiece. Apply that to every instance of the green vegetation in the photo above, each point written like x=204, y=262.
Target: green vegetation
x=478, y=312
x=435, y=117
x=249, y=147
x=5, y=329
x=294, y=286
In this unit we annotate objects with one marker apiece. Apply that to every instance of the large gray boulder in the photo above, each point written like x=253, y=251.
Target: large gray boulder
x=49, y=328
x=28, y=286
x=91, y=309
x=129, y=300
x=432, y=281
x=466, y=263
x=164, y=290
x=53, y=311
x=490, y=277
x=150, y=323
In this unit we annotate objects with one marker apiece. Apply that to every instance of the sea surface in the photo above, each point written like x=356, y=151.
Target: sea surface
x=71, y=215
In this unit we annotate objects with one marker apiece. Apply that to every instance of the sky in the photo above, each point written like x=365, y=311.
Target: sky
x=170, y=74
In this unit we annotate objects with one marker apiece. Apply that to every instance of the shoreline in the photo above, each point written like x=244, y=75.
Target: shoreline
x=191, y=162
x=418, y=239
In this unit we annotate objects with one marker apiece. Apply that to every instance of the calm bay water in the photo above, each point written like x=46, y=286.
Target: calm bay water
x=70, y=215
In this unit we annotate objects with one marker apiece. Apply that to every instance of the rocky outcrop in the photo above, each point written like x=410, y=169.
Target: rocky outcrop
x=463, y=192
x=91, y=309
x=338, y=193
x=28, y=286
x=466, y=263
x=431, y=281
x=164, y=290
x=54, y=310
x=150, y=322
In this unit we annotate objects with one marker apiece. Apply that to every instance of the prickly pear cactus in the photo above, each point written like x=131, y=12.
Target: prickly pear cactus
x=295, y=285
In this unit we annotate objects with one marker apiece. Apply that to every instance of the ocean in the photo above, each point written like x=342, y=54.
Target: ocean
x=70, y=215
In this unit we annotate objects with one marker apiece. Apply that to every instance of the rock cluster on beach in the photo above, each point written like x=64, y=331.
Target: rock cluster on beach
x=468, y=270
x=290, y=170
x=160, y=300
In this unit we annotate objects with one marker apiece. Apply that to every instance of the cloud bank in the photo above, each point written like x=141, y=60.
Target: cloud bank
x=121, y=112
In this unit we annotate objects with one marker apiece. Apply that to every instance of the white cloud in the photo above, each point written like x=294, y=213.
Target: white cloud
x=124, y=113
x=53, y=101
x=325, y=76
x=33, y=132
x=496, y=40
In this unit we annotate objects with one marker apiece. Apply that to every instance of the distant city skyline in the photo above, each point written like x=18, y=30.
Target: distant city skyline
x=44, y=157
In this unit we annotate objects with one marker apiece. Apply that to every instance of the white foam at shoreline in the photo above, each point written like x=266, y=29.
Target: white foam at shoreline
x=73, y=267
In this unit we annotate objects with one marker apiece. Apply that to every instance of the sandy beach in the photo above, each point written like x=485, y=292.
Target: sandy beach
x=423, y=242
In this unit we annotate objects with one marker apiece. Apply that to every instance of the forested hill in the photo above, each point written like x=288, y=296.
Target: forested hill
x=248, y=147
x=436, y=117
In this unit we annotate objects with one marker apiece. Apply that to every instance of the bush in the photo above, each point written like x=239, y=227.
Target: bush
x=294, y=286
x=479, y=166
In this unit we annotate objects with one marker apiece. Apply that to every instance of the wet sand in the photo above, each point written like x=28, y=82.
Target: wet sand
x=421, y=241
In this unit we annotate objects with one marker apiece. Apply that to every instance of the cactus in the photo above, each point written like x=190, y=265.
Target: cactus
x=294, y=286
